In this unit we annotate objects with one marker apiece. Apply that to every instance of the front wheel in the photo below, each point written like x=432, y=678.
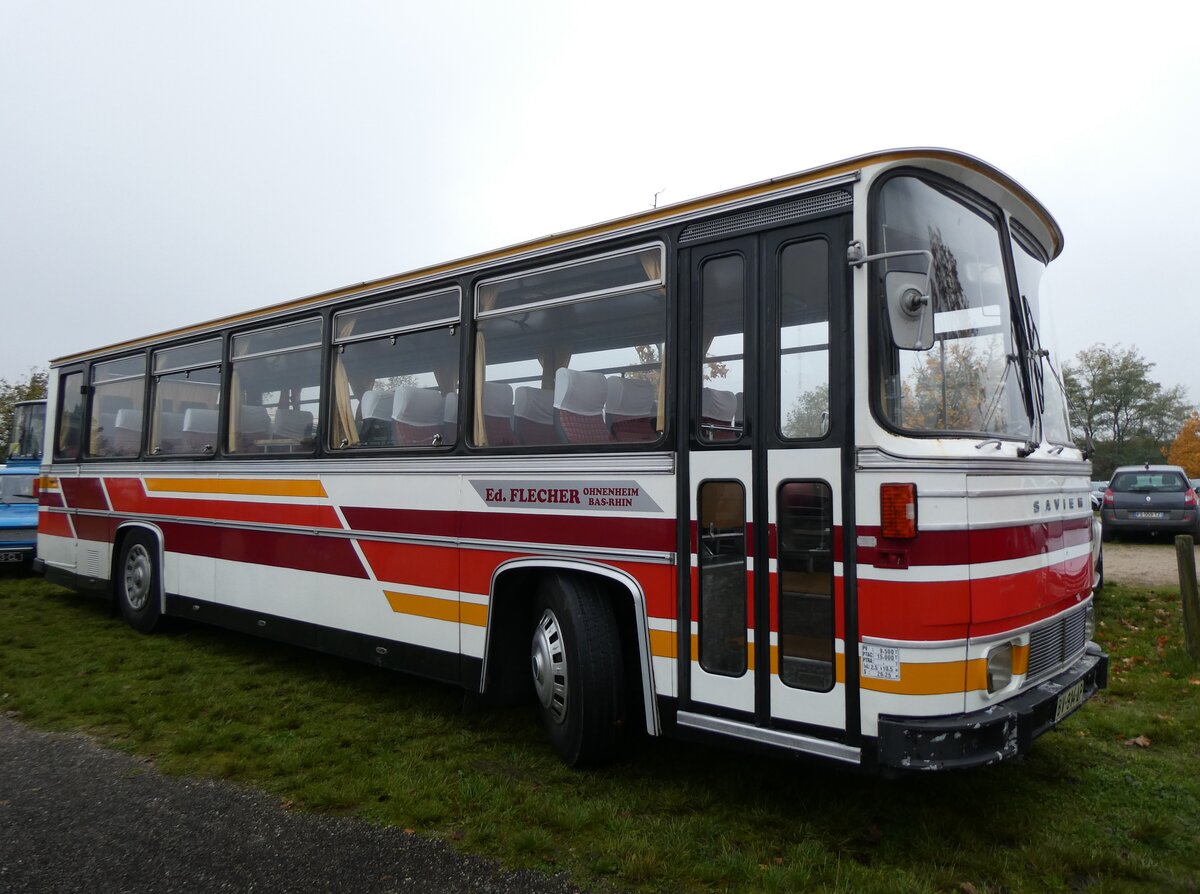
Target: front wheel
x=575, y=658
x=137, y=582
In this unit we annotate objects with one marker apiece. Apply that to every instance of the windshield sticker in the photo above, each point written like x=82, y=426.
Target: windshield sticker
x=627, y=496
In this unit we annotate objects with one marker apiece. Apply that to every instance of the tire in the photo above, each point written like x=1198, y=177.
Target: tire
x=137, y=582
x=577, y=670
x=1106, y=534
x=1099, y=573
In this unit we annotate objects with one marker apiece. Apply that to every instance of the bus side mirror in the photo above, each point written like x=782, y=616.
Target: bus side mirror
x=910, y=310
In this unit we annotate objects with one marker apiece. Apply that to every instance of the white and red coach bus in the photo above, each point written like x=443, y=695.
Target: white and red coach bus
x=786, y=467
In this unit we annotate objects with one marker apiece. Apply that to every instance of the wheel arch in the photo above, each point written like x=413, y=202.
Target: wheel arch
x=507, y=582
x=122, y=531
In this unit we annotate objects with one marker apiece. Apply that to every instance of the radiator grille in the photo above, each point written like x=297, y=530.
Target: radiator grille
x=1051, y=645
x=757, y=218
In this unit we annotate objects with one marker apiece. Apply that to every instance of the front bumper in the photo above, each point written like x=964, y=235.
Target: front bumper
x=998, y=732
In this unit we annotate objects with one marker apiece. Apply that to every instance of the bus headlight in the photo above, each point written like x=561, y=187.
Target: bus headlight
x=999, y=667
x=1089, y=623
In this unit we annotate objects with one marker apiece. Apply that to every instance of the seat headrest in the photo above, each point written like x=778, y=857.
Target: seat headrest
x=534, y=404
x=130, y=420
x=451, y=414
x=255, y=418
x=418, y=406
x=716, y=404
x=200, y=420
x=497, y=399
x=579, y=391
x=630, y=397
x=377, y=404
x=292, y=423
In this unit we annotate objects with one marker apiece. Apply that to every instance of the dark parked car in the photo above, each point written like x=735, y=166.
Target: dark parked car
x=1150, y=500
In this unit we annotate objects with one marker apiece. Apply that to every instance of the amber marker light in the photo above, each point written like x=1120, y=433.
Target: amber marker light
x=898, y=510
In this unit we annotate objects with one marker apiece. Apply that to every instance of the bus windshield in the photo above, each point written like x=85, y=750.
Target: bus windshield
x=29, y=422
x=1030, y=266
x=970, y=379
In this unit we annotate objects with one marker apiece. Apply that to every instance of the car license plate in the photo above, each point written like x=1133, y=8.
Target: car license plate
x=1149, y=515
x=1068, y=700
x=11, y=557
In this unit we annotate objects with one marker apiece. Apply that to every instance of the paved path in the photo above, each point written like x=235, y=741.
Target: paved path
x=78, y=817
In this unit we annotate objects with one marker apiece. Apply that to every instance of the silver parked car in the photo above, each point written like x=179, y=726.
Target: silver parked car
x=1150, y=500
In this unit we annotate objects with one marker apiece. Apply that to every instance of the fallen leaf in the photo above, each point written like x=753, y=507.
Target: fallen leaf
x=1139, y=741
x=968, y=888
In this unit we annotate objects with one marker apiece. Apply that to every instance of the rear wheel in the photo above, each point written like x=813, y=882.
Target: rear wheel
x=575, y=658
x=137, y=582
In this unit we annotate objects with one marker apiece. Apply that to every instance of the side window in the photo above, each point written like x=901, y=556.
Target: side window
x=804, y=339
x=186, y=391
x=572, y=354
x=68, y=429
x=118, y=389
x=722, y=577
x=806, y=620
x=722, y=348
x=275, y=389
x=395, y=373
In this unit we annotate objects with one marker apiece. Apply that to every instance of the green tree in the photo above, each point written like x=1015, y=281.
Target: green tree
x=809, y=415
x=32, y=387
x=1130, y=417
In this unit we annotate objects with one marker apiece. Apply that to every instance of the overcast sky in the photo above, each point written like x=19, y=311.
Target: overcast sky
x=164, y=163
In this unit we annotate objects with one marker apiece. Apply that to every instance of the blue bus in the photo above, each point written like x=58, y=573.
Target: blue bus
x=18, y=494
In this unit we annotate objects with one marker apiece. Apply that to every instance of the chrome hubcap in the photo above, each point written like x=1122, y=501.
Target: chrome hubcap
x=137, y=577
x=550, y=667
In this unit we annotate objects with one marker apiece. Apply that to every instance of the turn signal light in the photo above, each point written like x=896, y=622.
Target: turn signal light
x=898, y=510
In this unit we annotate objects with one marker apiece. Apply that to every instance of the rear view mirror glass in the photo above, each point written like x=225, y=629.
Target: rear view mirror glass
x=910, y=310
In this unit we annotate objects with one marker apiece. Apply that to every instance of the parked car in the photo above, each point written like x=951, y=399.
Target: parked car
x=1150, y=500
x=1098, y=489
x=18, y=516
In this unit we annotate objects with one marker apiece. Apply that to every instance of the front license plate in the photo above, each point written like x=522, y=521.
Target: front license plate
x=1149, y=515
x=1068, y=700
x=11, y=557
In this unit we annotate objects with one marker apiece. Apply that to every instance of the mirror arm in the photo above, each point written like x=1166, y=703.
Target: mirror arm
x=856, y=255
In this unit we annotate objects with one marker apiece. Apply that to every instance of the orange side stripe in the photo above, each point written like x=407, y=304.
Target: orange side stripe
x=437, y=608
x=306, y=487
x=663, y=643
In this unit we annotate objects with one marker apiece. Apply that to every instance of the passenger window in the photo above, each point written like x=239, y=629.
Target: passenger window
x=186, y=399
x=722, y=349
x=804, y=339
x=721, y=512
x=573, y=354
x=68, y=435
x=395, y=375
x=118, y=389
x=806, y=621
x=275, y=390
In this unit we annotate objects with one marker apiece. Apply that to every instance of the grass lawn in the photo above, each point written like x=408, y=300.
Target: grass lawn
x=1111, y=802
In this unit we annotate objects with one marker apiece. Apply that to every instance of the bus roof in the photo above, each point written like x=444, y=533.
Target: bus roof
x=668, y=214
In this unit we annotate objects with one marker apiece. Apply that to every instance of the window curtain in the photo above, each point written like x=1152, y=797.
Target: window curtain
x=345, y=431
